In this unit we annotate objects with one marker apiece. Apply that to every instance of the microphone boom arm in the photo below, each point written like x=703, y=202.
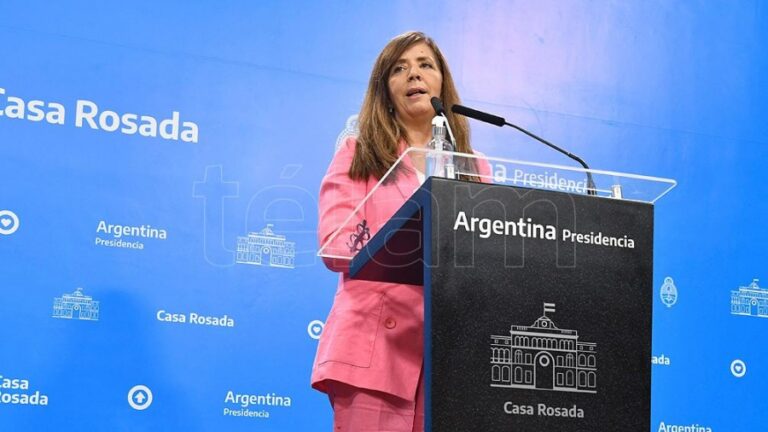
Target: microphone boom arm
x=500, y=121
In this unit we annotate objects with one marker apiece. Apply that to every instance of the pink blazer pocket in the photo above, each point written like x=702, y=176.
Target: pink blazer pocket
x=350, y=334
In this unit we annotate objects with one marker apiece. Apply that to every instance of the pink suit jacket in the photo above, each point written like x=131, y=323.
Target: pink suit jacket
x=373, y=337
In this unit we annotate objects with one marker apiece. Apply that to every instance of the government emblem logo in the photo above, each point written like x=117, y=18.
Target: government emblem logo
x=668, y=292
x=351, y=129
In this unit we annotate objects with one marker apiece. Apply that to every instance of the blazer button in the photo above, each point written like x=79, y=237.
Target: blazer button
x=390, y=323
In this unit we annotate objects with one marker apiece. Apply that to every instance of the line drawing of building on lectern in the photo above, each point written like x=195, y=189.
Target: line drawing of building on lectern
x=543, y=357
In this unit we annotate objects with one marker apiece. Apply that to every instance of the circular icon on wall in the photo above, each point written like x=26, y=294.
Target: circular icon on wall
x=315, y=329
x=9, y=222
x=738, y=368
x=140, y=397
x=668, y=292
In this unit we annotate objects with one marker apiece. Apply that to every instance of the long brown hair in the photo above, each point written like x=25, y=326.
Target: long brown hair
x=377, y=146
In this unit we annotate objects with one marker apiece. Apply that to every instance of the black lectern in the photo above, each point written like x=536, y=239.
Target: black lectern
x=538, y=301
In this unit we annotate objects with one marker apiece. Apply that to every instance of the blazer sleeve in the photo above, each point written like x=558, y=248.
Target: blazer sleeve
x=338, y=198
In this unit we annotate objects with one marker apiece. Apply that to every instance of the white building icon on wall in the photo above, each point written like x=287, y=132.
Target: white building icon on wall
x=76, y=306
x=266, y=248
x=543, y=357
x=750, y=300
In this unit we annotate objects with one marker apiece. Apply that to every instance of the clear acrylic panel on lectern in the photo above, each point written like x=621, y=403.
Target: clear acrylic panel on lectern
x=352, y=229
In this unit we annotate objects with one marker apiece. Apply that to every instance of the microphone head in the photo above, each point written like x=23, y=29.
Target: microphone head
x=437, y=104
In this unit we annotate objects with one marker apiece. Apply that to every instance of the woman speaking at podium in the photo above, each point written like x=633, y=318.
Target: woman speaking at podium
x=370, y=356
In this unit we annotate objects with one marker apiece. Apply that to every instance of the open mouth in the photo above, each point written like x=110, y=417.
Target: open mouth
x=415, y=92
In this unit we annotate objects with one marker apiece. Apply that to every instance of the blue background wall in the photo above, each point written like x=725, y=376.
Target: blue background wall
x=668, y=88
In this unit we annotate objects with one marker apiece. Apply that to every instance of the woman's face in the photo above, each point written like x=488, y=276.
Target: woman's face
x=413, y=81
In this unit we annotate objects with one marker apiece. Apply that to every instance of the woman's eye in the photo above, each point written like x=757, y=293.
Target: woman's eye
x=426, y=65
x=397, y=69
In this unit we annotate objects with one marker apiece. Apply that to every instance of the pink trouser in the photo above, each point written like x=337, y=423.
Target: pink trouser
x=362, y=410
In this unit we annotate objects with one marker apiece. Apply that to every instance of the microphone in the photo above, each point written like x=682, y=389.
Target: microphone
x=500, y=121
x=437, y=105
x=440, y=165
